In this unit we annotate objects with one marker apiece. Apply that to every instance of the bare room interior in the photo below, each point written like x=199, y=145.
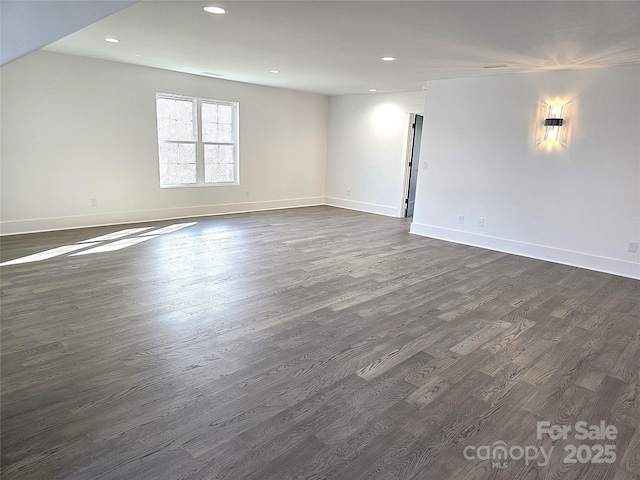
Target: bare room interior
x=348, y=240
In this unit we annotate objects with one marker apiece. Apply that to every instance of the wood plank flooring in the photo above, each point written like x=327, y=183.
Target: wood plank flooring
x=313, y=343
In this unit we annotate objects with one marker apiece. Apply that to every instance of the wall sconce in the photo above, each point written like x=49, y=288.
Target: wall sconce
x=553, y=123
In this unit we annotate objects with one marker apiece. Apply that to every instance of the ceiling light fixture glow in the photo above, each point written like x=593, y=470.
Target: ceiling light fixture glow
x=274, y=71
x=388, y=59
x=373, y=90
x=111, y=40
x=215, y=10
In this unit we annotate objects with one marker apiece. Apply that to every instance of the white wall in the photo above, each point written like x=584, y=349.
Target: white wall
x=578, y=205
x=367, y=150
x=75, y=128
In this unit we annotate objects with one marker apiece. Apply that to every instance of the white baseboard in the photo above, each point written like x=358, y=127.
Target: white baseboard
x=363, y=207
x=16, y=227
x=541, y=252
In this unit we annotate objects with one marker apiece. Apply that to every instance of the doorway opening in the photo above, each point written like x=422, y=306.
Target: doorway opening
x=413, y=164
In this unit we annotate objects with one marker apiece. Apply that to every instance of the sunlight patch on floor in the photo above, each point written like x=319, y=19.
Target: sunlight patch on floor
x=109, y=247
x=55, y=252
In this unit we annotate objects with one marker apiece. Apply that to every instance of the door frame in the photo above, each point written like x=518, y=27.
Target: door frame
x=407, y=166
x=404, y=205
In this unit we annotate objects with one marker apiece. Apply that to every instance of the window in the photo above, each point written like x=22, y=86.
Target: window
x=197, y=141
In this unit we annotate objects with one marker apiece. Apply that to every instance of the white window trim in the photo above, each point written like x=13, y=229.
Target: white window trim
x=200, y=143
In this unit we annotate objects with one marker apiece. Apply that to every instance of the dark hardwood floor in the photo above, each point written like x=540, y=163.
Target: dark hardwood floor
x=311, y=343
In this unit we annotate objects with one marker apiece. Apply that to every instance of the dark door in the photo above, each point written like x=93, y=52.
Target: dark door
x=414, y=164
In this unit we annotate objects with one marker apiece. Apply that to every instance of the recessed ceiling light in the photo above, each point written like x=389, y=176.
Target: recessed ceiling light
x=209, y=74
x=388, y=59
x=215, y=10
x=111, y=40
x=274, y=71
x=373, y=90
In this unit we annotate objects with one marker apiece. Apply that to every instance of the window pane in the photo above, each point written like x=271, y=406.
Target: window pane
x=225, y=114
x=225, y=134
x=217, y=123
x=177, y=163
x=219, y=163
x=175, y=119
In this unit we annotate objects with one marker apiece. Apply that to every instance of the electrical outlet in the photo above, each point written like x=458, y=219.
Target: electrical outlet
x=94, y=202
x=481, y=222
x=247, y=193
x=425, y=165
x=348, y=193
x=460, y=219
x=633, y=247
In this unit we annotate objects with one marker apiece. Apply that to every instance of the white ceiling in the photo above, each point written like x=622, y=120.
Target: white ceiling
x=334, y=47
x=27, y=25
